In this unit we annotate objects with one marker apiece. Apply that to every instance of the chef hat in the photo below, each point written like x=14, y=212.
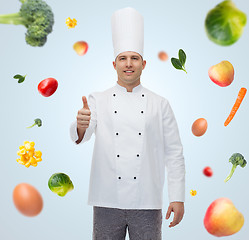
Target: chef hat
x=127, y=31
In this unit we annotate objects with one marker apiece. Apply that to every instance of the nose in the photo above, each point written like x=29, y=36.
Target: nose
x=128, y=63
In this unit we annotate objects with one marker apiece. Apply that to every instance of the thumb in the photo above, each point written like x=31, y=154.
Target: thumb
x=85, y=104
x=168, y=213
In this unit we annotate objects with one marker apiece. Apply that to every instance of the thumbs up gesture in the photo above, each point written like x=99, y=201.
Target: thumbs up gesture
x=84, y=116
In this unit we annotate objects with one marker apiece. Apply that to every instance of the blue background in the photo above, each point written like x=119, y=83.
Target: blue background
x=169, y=26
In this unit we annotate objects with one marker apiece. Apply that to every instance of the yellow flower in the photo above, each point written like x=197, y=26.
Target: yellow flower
x=71, y=23
x=193, y=192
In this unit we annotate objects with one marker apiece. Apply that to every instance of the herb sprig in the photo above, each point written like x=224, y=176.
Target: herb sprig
x=20, y=77
x=179, y=63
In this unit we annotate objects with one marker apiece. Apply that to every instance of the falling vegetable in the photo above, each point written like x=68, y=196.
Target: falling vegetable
x=236, y=105
x=60, y=183
x=37, y=17
x=193, y=192
x=236, y=159
x=38, y=122
x=225, y=23
x=71, y=23
x=47, y=87
x=28, y=155
x=207, y=171
x=20, y=77
x=179, y=63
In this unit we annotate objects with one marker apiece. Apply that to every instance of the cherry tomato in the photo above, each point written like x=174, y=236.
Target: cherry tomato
x=207, y=171
x=47, y=87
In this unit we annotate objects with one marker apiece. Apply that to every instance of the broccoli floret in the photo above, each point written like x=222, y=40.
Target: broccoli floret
x=37, y=17
x=236, y=159
x=38, y=122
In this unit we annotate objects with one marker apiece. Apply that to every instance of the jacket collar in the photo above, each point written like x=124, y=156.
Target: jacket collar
x=136, y=89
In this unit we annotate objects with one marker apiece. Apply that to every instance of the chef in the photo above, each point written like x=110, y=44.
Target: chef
x=136, y=141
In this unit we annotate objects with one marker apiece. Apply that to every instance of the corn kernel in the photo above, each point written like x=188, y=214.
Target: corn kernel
x=38, y=159
x=27, y=146
x=23, y=159
x=21, y=152
x=32, y=159
x=27, y=164
x=30, y=153
x=38, y=154
x=34, y=164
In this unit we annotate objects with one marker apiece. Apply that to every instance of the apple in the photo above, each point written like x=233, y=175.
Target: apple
x=222, y=73
x=80, y=47
x=222, y=218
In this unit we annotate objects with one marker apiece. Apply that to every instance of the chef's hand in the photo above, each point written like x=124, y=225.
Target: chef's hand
x=84, y=116
x=178, y=209
x=83, y=119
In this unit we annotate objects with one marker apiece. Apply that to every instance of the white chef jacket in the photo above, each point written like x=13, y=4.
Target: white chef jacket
x=136, y=139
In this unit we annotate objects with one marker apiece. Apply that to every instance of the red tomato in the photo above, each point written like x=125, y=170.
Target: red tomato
x=47, y=87
x=207, y=171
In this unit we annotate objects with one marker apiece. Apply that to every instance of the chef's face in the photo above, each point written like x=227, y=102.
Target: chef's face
x=129, y=67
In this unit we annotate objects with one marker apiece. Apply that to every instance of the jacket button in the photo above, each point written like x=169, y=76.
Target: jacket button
x=116, y=133
x=117, y=155
x=115, y=111
x=135, y=178
x=142, y=95
x=114, y=94
x=140, y=133
x=119, y=177
x=142, y=111
x=137, y=155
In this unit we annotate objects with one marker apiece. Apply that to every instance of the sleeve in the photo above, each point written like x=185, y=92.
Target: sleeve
x=174, y=160
x=93, y=122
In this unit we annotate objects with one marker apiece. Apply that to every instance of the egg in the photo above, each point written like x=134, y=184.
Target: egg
x=27, y=199
x=199, y=127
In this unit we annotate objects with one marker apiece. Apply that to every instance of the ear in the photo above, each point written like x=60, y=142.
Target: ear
x=144, y=63
x=114, y=65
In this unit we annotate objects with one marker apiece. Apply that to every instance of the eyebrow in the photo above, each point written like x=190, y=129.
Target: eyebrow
x=128, y=56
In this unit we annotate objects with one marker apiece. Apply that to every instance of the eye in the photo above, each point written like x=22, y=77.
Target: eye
x=122, y=58
x=135, y=58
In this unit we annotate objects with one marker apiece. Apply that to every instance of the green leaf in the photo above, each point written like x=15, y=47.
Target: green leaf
x=176, y=63
x=182, y=57
x=17, y=76
x=21, y=79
